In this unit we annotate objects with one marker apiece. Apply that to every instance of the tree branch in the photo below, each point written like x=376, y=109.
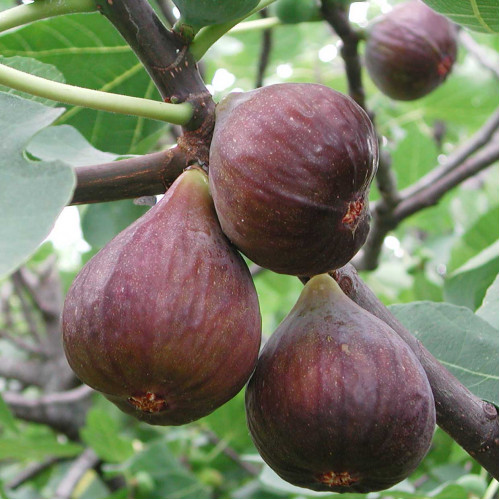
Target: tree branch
x=63, y=411
x=265, y=52
x=470, y=421
x=164, y=55
x=31, y=471
x=387, y=218
x=469, y=147
x=145, y=175
x=87, y=460
x=337, y=16
x=478, y=52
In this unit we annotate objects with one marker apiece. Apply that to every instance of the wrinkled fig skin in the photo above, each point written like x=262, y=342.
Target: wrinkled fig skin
x=410, y=51
x=338, y=402
x=290, y=169
x=164, y=320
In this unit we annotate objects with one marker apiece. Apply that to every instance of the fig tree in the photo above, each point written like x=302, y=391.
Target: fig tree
x=410, y=51
x=164, y=320
x=338, y=402
x=290, y=169
x=295, y=11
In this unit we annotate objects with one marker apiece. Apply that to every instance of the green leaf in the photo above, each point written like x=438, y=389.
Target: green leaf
x=7, y=419
x=36, y=448
x=477, y=15
x=468, y=284
x=165, y=474
x=90, y=52
x=463, y=342
x=482, y=232
x=489, y=308
x=65, y=143
x=414, y=156
x=102, y=221
x=102, y=434
x=31, y=194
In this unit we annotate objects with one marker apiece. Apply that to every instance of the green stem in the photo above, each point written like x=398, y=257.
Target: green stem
x=207, y=36
x=491, y=490
x=256, y=25
x=42, y=9
x=180, y=114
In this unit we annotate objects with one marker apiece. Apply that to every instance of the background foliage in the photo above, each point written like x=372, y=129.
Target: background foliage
x=438, y=269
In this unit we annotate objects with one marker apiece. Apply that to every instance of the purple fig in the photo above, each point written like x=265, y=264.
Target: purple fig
x=290, y=169
x=338, y=402
x=410, y=51
x=164, y=320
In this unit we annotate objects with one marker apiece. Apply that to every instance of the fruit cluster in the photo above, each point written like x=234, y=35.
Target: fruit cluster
x=165, y=320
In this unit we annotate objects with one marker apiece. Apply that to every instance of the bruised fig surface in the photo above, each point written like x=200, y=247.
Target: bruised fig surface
x=338, y=402
x=164, y=320
x=410, y=51
x=290, y=169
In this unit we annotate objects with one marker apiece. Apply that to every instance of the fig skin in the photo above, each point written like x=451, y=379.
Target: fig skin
x=290, y=169
x=410, y=51
x=338, y=402
x=164, y=320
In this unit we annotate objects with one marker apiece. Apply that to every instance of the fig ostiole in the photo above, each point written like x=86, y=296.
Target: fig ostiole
x=164, y=320
x=290, y=169
x=410, y=51
x=338, y=402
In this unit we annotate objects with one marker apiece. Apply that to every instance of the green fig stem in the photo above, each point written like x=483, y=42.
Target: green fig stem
x=179, y=114
x=207, y=36
x=43, y=9
x=256, y=25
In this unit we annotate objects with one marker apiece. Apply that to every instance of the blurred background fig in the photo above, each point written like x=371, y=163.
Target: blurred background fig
x=338, y=402
x=290, y=169
x=410, y=51
x=164, y=320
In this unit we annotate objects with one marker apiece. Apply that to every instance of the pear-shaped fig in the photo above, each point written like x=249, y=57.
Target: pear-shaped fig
x=290, y=169
x=200, y=13
x=410, y=51
x=338, y=402
x=164, y=320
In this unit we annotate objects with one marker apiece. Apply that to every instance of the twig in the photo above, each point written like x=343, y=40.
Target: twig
x=27, y=372
x=387, y=218
x=469, y=147
x=337, y=16
x=265, y=52
x=31, y=471
x=22, y=344
x=434, y=192
x=232, y=454
x=149, y=174
x=87, y=460
x=478, y=52
x=471, y=422
x=63, y=411
x=26, y=308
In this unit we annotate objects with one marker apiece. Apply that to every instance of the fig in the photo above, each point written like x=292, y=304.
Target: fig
x=290, y=170
x=338, y=402
x=410, y=51
x=200, y=13
x=164, y=320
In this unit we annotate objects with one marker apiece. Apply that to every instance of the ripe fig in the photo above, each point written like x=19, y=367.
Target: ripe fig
x=200, y=13
x=410, y=51
x=290, y=169
x=164, y=320
x=338, y=402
